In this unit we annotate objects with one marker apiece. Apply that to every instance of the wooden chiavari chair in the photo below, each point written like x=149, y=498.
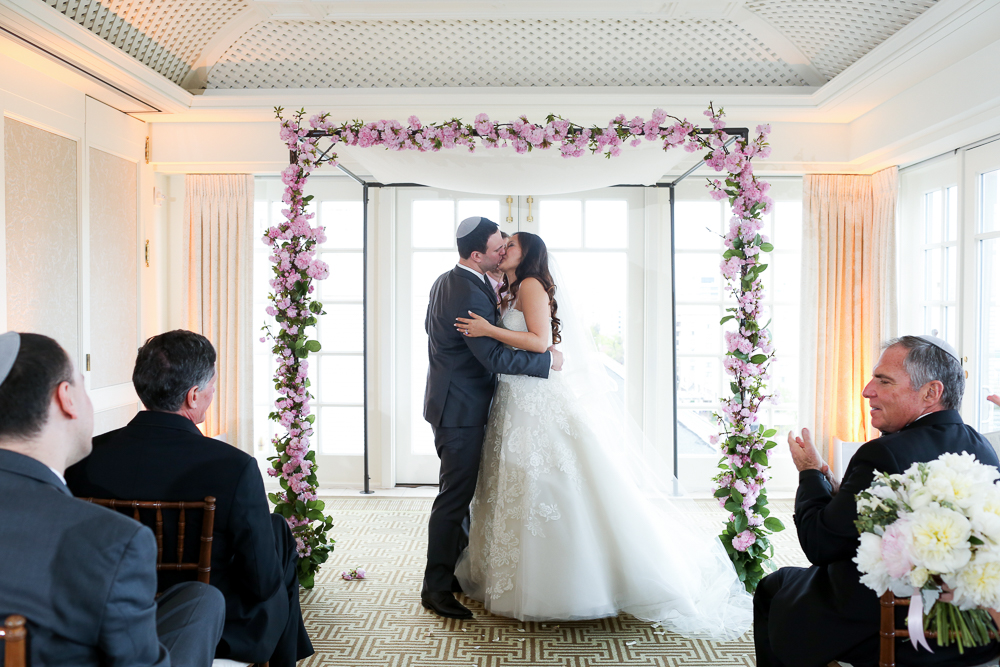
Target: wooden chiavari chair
x=15, y=635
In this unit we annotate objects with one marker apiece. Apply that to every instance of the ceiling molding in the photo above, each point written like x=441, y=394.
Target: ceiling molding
x=220, y=43
x=780, y=45
x=49, y=30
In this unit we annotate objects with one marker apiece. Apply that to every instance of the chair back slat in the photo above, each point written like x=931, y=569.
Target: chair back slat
x=159, y=532
x=180, y=535
x=14, y=635
x=207, y=526
x=207, y=507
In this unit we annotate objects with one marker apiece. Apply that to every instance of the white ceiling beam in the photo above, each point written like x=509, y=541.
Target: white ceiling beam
x=780, y=45
x=216, y=48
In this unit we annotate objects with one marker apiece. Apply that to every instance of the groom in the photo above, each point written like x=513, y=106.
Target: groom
x=461, y=378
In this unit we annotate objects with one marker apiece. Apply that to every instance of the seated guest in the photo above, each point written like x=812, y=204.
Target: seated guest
x=161, y=455
x=808, y=617
x=82, y=575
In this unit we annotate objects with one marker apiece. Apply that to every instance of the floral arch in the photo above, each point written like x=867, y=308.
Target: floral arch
x=743, y=442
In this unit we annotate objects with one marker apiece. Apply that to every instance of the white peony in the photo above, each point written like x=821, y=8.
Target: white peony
x=940, y=539
x=918, y=577
x=978, y=583
x=869, y=562
x=963, y=489
x=985, y=516
x=917, y=496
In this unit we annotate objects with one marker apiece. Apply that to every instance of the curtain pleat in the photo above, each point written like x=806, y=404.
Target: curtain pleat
x=219, y=215
x=848, y=297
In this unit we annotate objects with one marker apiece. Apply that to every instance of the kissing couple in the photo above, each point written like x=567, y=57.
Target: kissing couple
x=539, y=514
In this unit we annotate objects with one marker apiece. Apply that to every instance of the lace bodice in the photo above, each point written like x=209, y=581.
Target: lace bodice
x=513, y=320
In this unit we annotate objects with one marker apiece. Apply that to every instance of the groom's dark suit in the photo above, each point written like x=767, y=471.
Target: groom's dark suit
x=807, y=617
x=461, y=378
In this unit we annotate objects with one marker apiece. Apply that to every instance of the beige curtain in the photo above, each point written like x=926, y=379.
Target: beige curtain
x=848, y=297
x=218, y=211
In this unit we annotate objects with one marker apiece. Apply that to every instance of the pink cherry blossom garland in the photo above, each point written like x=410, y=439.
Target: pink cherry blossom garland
x=750, y=352
x=740, y=485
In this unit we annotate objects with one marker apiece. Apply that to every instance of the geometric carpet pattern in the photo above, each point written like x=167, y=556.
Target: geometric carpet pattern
x=379, y=621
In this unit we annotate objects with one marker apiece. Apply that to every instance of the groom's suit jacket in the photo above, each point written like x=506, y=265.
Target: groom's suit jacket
x=461, y=374
x=82, y=575
x=823, y=612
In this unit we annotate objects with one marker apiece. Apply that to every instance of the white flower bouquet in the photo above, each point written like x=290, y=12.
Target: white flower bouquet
x=935, y=527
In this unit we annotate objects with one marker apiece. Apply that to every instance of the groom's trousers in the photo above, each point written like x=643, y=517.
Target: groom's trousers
x=460, y=449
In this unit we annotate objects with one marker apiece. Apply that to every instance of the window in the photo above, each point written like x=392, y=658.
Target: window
x=702, y=300
x=336, y=373
x=940, y=263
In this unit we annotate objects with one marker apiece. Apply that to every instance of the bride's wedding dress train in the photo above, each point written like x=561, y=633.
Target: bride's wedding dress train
x=560, y=531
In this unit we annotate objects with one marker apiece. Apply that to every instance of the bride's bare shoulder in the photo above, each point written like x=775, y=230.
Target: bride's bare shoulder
x=531, y=285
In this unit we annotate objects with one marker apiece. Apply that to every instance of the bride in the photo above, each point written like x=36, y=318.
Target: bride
x=561, y=529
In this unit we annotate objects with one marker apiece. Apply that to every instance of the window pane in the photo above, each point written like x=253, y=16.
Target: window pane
x=951, y=325
x=606, y=224
x=933, y=277
x=989, y=332
x=341, y=379
x=698, y=380
x=787, y=225
x=951, y=273
x=260, y=222
x=698, y=277
x=694, y=427
x=932, y=216
x=433, y=224
x=952, y=222
x=561, y=223
x=786, y=270
x=932, y=321
x=698, y=330
x=344, y=224
x=340, y=330
x=341, y=431
x=486, y=208
x=698, y=225
x=427, y=266
x=989, y=198
x=599, y=303
x=345, y=281
x=276, y=208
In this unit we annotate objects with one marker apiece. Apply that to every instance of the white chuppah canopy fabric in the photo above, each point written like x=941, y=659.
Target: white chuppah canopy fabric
x=502, y=171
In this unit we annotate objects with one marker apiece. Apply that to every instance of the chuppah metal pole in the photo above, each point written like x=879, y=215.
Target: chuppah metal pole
x=364, y=310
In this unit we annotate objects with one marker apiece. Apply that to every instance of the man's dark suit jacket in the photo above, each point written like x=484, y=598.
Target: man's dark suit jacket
x=82, y=575
x=162, y=456
x=824, y=611
x=461, y=375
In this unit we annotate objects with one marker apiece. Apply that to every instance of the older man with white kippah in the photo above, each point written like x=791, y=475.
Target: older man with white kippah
x=808, y=617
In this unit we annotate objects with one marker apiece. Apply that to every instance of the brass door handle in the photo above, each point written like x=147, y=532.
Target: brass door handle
x=530, y=201
x=510, y=200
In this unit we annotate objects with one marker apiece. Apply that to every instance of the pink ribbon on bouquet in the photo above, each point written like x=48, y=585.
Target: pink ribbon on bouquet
x=915, y=621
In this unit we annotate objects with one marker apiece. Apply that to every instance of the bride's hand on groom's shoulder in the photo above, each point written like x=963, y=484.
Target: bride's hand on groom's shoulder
x=473, y=326
x=557, y=358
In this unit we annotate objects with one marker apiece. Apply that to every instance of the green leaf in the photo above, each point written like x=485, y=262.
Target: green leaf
x=315, y=306
x=313, y=346
x=774, y=524
x=741, y=522
x=736, y=496
x=758, y=358
x=732, y=506
x=726, y=319
x=758, y=456
x=769, y=444
x=975, y=540
x=721, y=493
x=273, y=497
x=766, y=247
x=769, y=433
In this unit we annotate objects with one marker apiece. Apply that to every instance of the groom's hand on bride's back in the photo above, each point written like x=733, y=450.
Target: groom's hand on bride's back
x=557, y=358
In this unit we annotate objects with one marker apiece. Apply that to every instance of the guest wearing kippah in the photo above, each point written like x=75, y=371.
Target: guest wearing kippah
x=809, y=617
x=83, y=576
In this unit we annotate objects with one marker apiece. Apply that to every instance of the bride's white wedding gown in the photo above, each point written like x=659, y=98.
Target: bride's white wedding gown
x=560, y=531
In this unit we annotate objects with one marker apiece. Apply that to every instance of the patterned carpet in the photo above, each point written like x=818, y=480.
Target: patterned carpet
x=379, y=621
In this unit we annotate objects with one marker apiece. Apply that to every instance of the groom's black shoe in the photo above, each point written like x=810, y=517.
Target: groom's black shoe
x=443, y=603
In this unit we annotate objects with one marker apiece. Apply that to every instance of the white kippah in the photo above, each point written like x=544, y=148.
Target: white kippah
x=941, y=343
x=10, y=343
x=467, y=226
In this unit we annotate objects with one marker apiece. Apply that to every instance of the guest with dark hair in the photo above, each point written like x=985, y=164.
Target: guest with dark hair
x=161, y=455
x=82, y=575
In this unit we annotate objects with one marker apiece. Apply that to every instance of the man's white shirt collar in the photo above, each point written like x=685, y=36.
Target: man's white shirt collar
x=481, y=276
x=56, y=473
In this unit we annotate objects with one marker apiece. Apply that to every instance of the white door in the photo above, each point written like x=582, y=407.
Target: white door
x=425, y=248
x=981, y=269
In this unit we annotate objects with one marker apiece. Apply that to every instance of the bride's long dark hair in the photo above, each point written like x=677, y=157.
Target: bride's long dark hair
x=534, y=264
